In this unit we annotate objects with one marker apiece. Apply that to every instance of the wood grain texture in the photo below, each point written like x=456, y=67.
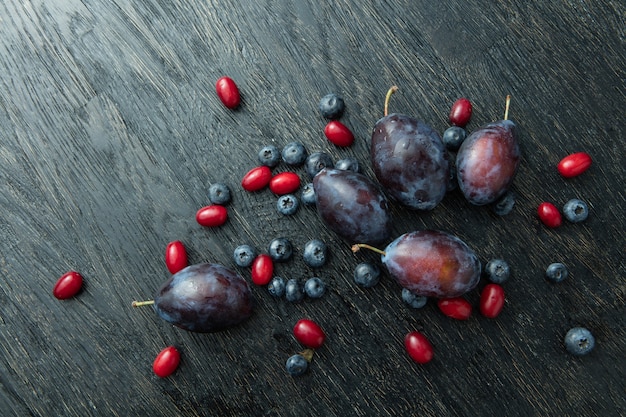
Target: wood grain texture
x=110, y=133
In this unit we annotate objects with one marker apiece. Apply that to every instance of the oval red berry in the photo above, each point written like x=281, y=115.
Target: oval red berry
x=461, y=112
x=166, y=362
x=309, y=333
x=574, y=164
x=262, y=269
x=228, y=92
x=285, y=183
x=212, y=216
x=418, y=347
x=491, y=300
x=257, y=178
x=457, y=308
x=175, y=256
x=68, y=285
x=338, y=133
x=549, y=215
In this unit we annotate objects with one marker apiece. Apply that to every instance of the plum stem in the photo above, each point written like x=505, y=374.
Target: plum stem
x=392, y=90
x=143, y=303
x=358, y=246
x=506, y=107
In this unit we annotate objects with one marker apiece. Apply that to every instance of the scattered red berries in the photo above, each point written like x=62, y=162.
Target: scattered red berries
x=418, y=347
x=574, y=164
x=549, y=215
x=461, y=112
x=228, y=92
x=309, y=333
x=339, y=134
x=212, y=216
x=284, y=183
x=262, y=269
x=68, y=285
x=457, y=307
x=166, y=362
x=257, y=178
x=491, y=300
x=175, y=256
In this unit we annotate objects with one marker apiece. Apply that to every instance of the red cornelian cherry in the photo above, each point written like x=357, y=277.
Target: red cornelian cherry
x=285, y=183
x=68, y=285
x=262, y=269
x=166, y=362
x=257, y=178
x=491, y=300
x=228, y=92
x=309, y=333
x=418, y=347
x=549, y=215
x=338, y=133
x=457, y=308
x=461, y=112
x=212, y=216
x=175, y=256
x=574, y=164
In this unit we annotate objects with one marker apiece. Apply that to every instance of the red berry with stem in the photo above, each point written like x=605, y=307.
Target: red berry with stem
x=418, y=347
x=461, y=112
x=175, y=256
x=457, y=308
x=257, y=178
x=262, y=269
x=68, y=285
x=338, y=133
x=166, y=362
x=309, y=333
x=285, y=183
x=491, y=300
x=212, y=216
x=228, y=92
x=574, y=164
x=549, y=215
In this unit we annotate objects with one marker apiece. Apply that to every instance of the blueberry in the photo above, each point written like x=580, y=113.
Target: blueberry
x=269, y=156
x=280, y=249
x=308, y=194
x=556, y=272
x=294, y=153
x=453, y=137
x=575, y=210
x=332, y=106
x=294, y=291
x=315, y=253
x=497, y=271
x=366, y=275
x=413, y=300
x=244, y=255
x=316, y=162
x=276, y=287
x=296, y=365
x=314, y=287
x=348, y=164
x=505, y=204
x=579, y=341
x=287, y=204
x=219, y=193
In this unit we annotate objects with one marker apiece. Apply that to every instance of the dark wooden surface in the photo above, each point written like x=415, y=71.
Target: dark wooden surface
x=110, y=133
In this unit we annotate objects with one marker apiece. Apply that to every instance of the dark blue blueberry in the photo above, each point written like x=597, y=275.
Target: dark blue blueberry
x=244, y=255
x=314, y=253
x=579, y=341
x=287, y=204
x=348, y=164
x=308, y=194
x=269, y=156
x=453, y=137
x=366, y=275
x=505, y=204
x=575, y=210
x=556, y=272
x=294, y=153
x=314, y=287
x=276, y=287
x=413, y=300
x=316, y=162
x=332, y=106
x=294, y=291
x=296, y=365
x=280, y=249
x=219, y=193
x=497, y=271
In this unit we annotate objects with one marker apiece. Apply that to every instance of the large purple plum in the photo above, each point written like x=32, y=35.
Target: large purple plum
x=352, y=206
x=487, y=162
x=204, y=298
